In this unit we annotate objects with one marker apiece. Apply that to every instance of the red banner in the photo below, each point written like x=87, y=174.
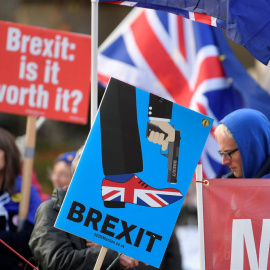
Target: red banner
x=44, y=72
x=237, y=224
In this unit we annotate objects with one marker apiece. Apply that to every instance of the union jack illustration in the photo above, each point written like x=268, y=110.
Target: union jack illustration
x=135, y=191
x=179, y=60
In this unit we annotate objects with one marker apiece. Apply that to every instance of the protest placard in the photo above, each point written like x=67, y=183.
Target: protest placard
x=236, y=223
x=128, y=189
x=44, y=72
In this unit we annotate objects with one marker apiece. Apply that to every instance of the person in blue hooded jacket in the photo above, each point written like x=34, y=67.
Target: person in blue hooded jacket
x=243, y=137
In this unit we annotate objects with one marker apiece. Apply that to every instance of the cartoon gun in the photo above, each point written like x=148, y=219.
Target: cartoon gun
x=173, y=152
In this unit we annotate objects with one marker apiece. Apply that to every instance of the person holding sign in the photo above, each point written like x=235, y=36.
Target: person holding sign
x=10, y=195
x=72, y=252
x=56, y=249
x=244, y=140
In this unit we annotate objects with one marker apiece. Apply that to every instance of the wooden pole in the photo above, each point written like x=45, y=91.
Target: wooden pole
x=199, y=179
x=100, y=258
x=30, y=142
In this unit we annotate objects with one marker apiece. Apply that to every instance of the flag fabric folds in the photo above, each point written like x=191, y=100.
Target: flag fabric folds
x=248, y=24
x=205, y=11
x=184, y=61
x=247, y=21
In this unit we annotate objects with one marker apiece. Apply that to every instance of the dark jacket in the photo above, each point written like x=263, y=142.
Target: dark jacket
x=172, y=258
x=55, y=249
x=18, y=240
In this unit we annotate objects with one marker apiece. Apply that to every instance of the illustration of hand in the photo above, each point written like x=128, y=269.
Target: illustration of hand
x=162, y=134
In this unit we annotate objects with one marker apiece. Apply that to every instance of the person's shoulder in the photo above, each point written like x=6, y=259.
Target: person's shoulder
x=18, y=185
x=267, y=176
x=46, y=204
x=59, y=194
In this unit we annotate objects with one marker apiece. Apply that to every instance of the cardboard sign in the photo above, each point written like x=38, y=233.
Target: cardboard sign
x=127, y=191
x=44, y=72
x=236, y=224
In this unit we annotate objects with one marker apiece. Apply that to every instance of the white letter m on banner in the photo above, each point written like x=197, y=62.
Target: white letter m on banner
x=242, y=233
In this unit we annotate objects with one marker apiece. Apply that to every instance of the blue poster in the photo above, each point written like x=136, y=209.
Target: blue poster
x=134, y=172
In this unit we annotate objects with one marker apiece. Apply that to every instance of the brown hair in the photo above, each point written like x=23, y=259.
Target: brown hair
x=12, y=161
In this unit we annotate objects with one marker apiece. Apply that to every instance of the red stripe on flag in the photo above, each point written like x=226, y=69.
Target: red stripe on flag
x=210, y=68
x=181, y=39
x=129, y=191
x=155, y=199
x=103, y=79
x=203, y=18
x=115, y=2
x=159, y=60
x=110, y=194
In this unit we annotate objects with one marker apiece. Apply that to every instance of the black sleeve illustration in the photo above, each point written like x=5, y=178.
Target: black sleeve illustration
x=121, y=146
x=159, y=107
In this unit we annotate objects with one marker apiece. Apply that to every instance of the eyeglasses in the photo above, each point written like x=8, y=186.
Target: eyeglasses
x=227, y=155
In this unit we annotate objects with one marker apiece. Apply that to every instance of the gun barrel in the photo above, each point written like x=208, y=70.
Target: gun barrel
x=173, y=157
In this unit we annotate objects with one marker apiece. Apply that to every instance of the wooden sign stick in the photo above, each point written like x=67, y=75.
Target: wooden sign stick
x=100, y=258
x=30, y=142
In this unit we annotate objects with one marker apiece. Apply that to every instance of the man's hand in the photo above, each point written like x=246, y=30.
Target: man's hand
x=127, y=262
x=157, y=137
x=91, y=244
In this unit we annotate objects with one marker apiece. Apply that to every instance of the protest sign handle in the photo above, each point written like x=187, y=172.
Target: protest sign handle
x=199, y=183
x=100, y=258
x=30, y=142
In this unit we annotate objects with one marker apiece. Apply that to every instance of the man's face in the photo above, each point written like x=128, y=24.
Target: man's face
x=235, y=163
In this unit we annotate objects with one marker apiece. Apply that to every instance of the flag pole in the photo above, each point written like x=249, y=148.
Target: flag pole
x=94, y=91
x=199, y=183
x=94, y=54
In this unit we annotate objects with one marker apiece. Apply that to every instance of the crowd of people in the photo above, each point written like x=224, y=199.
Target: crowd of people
x=244, y=146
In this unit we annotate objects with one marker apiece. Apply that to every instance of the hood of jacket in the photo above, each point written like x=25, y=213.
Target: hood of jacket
x=58, y=198
x=251, y=132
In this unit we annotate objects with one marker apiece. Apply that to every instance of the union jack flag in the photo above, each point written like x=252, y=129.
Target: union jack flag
x=246, y=21
x=137, y=192
x=178, y=8
x=179, y=60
